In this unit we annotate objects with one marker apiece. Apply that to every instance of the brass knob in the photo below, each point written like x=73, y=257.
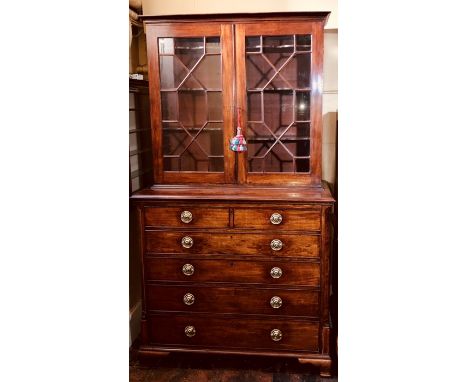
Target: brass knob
x=276, y=218
x=186, y=217
x=189, y=299
x=188, y=269
x=276, y=272
x=190, y=331
x=276, y=244
x=187, y=242
x=276, y=302
x=276, y=335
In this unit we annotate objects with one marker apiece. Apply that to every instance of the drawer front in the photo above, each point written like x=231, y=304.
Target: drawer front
x=247, y=333
x=243, y=300
x=236, y=271
x=202, y=217
x=235, y=243
x=279, y=219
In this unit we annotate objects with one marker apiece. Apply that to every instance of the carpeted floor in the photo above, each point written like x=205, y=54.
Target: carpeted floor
x=221, y=368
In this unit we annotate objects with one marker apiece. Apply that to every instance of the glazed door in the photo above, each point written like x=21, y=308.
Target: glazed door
x=279, y=89
x=191, y=77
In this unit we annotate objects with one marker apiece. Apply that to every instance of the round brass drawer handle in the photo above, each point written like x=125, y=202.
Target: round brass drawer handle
x=276, y=245
x=276, y=335
x=276, y=272
x=190, y=331
x=276, y=218
x=189, y=299
x=187, y=242
x=186, y=217
x=188, y=269
x=276, y=302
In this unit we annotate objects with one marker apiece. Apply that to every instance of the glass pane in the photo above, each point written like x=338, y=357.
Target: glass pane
x=192, y=108
x=192, y=105
x=172, y=163
x=208, y=72
x=216, y=164
x=210, y=139
x=189, y=50
x=278, y=44
x=175, y=139
x=215, y=106
x=171, y=71
x=258, y=130
x=294, y=75
x=194, y=159
x=254, y=106
x=166, y=46
x=302, y=106
x=169, y=106
x=297, y=147
x=259, y=72
x=278, y=78
x=278, y=109
x=213, y=45
x=303, y=42
x=303, y=165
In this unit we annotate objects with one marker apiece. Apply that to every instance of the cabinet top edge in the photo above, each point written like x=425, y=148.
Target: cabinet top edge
x=236, y=193
x=237, y=17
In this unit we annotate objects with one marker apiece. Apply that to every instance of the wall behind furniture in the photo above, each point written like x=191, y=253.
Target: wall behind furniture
x=176, y=7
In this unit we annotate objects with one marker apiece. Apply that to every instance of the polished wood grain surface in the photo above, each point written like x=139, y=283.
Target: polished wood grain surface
x=227, y=281
x=260, y=218
x=231, y=270
x=247, y=243
x=216, y=299
x=250, y=333
x=237, y=193
x=235, y=17
x=202, y=217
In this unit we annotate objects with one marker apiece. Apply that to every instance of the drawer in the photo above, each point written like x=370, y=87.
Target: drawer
x=203, y=217
x=226, y=332
x=242, y=300
x=232, y=243
x=271, y=218
x=298, y=273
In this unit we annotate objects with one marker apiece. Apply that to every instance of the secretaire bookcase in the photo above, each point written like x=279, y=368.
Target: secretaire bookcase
x=235, y=245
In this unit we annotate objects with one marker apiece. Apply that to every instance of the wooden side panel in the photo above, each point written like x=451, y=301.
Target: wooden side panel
x=325, y=260
x=316, y=99
x=155, y=102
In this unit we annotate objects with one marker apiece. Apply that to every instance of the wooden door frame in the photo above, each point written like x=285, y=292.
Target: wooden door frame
x=315, y=29
x=173, y=30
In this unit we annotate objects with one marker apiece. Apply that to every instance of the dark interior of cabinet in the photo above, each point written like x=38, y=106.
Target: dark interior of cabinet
x=278, y=103
x=140, y=156
x=278, y=77
x=191, y=104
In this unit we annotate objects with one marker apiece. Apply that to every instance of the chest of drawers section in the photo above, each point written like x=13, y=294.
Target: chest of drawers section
x=235, y=278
